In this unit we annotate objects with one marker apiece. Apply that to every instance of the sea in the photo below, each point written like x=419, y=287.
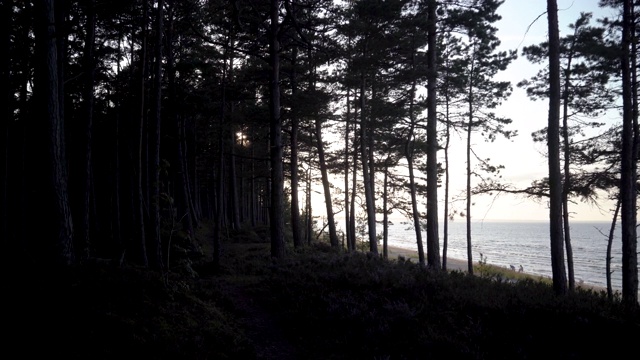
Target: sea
x=526, y=244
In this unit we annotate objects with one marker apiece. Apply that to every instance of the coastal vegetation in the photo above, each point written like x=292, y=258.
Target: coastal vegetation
x=314, y=304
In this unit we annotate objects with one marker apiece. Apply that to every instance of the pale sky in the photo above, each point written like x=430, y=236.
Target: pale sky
x=521, y=156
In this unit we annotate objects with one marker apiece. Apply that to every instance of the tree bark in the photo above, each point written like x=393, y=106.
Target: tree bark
x=181, y=197
x=346, y=171
x=6, y=13
x=433, y=244
x=612, y=230
x=296, y=226
x=368, y=188
x=385, y=213
x=553, y=139
x=354, y=190
x=408, y=153
x=566, y=187
x=445, y=220
x=155, y=240
x=83, y=240
x=140, y=197
x=275, y=136
x=468, y=174
x=333, y=237
x=49, y=87
x=628, y=171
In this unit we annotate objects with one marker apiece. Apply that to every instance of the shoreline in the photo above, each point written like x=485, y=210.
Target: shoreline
x=461, y=265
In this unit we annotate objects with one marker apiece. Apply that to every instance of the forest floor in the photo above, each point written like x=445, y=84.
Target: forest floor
x=315, y=304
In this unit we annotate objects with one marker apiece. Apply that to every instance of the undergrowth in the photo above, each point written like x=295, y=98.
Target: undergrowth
x=330, y=304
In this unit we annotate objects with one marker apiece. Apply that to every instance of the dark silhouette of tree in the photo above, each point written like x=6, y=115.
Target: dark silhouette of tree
x=433, y=240
x=628, y=159
x=553, y=139
x=59, y=245
x=585, y=92
x=276, y=214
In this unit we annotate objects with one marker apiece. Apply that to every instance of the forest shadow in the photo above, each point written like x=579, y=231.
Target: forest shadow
x=317, y=303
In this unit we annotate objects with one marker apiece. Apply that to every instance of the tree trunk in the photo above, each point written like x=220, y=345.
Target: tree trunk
x=6, y=17
x=354, y=190
x=468, y=174
x=368, y=188
x=346, y=172
x=333, y=237
x=234, y=201
x=628, y=177
x=445, y=220
x=433, y=242
x=295, y=202
x=385, y=214
x=566, y=187
x=140, y=198
x=49, y=86
x=116, y=210
x=253, y=193
x=218, y=213
x=609, y=246
x=309, y=210
x=553, y=139
x=275, y=136
x=155, y=240
x=181, y=197
x=408, y=153
x=83, y=239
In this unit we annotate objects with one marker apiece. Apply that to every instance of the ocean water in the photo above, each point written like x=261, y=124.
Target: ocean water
x=525, y=244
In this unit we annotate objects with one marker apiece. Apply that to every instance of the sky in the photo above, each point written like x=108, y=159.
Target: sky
x=520, y=156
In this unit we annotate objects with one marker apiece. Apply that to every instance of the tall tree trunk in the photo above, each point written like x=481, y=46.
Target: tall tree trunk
x=553, y=139
x=385, y=213
x=253, y=193
x=218, y=213
x=445, y=220
x=21, y=178
x=309, y=210
x=408, y=153
x=354, y=190
x=368, y=188
x=628, y=176
x=468, y=174
x=219, y=202
x=295, y=178
x=6, y=17
x=370, y=145
x=333, y=237
x=234, y=201
x=433, y=242
x=48, y=89
x=566, y=187
x=275, y=136
x=346, y=171
x=155, y=240
x=183, y=210
x=83, y=238
x=612, y=230
x=140, y=196
x=116, y=210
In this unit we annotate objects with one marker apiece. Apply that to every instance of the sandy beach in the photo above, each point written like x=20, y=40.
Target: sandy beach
x=455, y=264
x=394, y=252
